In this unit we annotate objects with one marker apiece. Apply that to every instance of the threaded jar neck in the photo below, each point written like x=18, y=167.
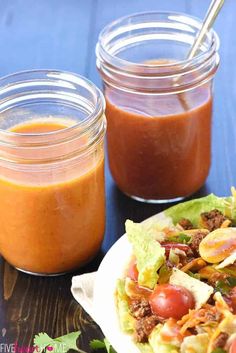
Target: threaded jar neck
x=49, y=96
x=147, y=52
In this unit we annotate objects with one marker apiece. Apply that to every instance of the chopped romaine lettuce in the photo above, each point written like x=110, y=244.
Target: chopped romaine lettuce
x=193, y=208
x=173, y=257
x=228, y=324
x=155, y=225
x=145, y=348
x=125, y=319
x=164, y=274
x=149, y=254
x=195, y=344
x=157, y=344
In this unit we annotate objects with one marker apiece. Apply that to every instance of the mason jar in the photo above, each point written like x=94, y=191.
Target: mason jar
x=52, y=209
x=159, y=104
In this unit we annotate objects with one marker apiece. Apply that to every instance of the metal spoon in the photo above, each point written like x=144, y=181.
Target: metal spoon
x=208, y=22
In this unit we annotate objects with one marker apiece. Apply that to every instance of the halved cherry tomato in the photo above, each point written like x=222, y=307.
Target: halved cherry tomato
x=168, y=246
x=233, y=347
x=132, y=270
x=169, y=301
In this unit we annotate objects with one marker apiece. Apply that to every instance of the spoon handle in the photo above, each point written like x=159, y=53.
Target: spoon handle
x=210, y=18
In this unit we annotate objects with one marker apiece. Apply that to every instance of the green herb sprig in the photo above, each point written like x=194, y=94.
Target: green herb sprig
x=63, y=344
x=225, y=286
x=105, y=344
x=219, y=350
x=59, y=345
x=180, y=238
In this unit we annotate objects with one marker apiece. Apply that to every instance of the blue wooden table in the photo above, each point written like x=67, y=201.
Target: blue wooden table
x=61, y=34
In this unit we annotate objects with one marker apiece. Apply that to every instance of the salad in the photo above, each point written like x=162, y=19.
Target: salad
x=178, y=290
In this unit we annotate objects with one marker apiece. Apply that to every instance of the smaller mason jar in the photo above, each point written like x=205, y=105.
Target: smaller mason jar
x=159, y=104
x=52, y=209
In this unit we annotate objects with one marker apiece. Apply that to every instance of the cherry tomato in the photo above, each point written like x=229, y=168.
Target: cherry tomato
x=233, y=347
x=132, y=270
x=169, y=246
x=169, y=301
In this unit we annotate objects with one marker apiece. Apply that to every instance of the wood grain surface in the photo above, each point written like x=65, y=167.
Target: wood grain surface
x=61, y=34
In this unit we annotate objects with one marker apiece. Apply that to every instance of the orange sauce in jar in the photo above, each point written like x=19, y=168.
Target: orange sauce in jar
x=54, y=225
x=159, y=104
x=159, y=148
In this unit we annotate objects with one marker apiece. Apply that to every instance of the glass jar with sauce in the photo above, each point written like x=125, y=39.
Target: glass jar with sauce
x=52, y=209
x=159, y=105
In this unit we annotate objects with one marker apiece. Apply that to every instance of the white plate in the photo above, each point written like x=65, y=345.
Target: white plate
x=112, y=267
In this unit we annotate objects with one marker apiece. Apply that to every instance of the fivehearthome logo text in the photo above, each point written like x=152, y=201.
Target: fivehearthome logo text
x=42, y=343
x=17, y=348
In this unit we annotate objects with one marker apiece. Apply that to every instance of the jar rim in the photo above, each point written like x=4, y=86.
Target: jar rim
x=69, y=79
x=130, y=67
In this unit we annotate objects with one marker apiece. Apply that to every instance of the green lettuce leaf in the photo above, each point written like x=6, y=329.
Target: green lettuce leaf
x=125, y=318
x=149, y=254
x=195, y=344
x=154, y=226
x=144, y=348
x=157, y=345
x=193, y=208
x=228, y=324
